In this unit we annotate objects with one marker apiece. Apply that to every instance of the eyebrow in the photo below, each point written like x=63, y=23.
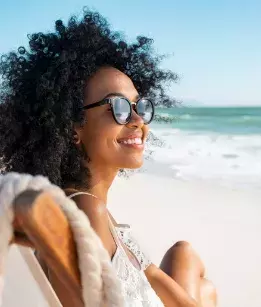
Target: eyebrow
x=119, y=94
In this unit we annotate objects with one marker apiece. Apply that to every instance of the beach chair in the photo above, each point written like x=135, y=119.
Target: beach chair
x=41, y=225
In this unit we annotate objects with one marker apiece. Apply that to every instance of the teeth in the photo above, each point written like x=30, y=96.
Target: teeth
x=137, y=141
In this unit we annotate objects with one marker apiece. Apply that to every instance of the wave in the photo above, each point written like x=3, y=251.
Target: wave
x=186, y=117
x=164, y=118
x=169, y=118
x=210, y=156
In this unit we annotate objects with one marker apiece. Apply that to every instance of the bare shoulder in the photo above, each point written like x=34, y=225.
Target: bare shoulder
x=92, y=206
x=98, y=216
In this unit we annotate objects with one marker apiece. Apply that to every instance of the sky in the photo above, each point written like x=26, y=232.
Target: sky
x=214, y=46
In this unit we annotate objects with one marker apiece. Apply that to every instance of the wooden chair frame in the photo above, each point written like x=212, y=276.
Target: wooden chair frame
x=39, y=223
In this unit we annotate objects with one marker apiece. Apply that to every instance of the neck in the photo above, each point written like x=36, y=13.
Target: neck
x=101, y=181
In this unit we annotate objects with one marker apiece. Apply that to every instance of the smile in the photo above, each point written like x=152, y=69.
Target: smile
x=137, y=141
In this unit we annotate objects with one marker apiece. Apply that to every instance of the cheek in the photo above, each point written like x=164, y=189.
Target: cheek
x=100, y=140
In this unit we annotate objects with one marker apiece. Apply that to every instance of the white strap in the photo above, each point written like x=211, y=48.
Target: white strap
x=80, y=193
x=114, y=233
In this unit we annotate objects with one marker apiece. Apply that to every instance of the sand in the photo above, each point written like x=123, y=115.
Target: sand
x=222, y=224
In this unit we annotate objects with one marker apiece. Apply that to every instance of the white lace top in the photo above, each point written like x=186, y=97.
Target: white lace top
x=136, y=289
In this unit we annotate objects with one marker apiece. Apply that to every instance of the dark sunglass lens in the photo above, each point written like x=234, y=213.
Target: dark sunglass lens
x=121, y=109
x=145, y=110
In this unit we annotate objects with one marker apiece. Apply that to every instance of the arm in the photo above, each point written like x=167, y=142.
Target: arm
x=182, y=289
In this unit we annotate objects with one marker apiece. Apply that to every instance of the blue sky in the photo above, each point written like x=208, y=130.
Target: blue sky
x=216, y=44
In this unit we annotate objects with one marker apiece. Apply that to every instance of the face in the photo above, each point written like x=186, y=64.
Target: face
x=108, y=144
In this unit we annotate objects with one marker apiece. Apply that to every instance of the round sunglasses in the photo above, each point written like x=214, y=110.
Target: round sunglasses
x=122, y=109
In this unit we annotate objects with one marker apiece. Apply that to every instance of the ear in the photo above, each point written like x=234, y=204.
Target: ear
x=76, y=135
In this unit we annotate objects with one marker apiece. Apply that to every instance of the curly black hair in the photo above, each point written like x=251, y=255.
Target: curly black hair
x=42, y=90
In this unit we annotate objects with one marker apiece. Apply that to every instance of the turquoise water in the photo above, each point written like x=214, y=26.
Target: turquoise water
x=232, y=120
x=217, y=144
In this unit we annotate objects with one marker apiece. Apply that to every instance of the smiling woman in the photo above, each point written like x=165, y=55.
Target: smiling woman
x=44, y=89
x=76, y=108
x=105, y=140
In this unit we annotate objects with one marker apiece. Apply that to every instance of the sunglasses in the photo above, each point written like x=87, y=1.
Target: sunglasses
x=122, y=109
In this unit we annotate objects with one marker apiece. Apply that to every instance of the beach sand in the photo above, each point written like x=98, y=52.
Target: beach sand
x=222, y=224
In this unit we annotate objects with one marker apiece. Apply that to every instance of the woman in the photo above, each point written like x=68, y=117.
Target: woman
x=76, y=107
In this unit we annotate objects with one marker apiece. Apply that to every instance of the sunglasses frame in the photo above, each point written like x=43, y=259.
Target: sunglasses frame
x=109, y=101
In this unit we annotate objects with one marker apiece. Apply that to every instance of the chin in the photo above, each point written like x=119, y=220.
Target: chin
x=133, y=164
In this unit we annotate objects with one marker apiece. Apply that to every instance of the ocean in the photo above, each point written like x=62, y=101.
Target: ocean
x=209, y=143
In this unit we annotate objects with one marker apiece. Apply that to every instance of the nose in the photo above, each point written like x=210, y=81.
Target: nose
x=136, y=121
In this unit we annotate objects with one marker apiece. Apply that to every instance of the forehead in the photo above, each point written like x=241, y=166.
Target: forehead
x=109, y=80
